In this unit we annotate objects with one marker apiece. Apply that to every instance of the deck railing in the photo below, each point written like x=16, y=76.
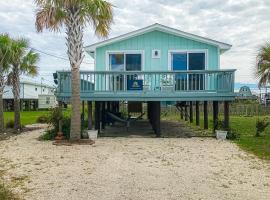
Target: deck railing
x=219, y=81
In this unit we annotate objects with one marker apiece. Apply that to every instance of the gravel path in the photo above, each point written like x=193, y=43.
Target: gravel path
x=133, y=168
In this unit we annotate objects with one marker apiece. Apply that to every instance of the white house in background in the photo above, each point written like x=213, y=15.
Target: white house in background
x=33, y=96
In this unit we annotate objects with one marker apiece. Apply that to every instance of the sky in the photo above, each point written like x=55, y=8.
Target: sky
x=245, y=24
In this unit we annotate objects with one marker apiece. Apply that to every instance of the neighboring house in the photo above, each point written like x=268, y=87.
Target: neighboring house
x=245, y=94
x=154, y=64
x=46, y=101
x=29, y=93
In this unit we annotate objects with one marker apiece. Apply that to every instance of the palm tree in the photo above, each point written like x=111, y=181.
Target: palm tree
x=5, y=42
x=74, y=15
x=263, y=65
x=23, y=62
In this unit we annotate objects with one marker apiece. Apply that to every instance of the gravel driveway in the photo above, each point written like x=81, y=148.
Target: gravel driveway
x=133, y=168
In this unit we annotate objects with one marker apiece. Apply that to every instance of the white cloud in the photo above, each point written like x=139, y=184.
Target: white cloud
x=245, y=24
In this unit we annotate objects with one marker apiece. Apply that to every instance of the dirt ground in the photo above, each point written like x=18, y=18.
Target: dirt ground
x=133, y=168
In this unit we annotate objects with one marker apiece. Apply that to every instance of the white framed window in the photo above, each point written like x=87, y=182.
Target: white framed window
x=188, y=59
x=129, y=60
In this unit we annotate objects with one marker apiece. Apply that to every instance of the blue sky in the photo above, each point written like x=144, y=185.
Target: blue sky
x=244, y=23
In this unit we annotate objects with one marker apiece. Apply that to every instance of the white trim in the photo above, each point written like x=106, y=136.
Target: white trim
x=219, y=53
x=223, y=46
x=187, y=51
x=124, y=52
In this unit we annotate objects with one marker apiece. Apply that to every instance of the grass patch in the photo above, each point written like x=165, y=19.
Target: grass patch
x=27, y=117
x=6, y=194
x=245, y=127
x=31, y=117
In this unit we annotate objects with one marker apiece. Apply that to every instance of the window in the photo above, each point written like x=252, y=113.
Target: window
x=125, y=61
x=196, y=61
x=117, y=62
x=189, y=60
x=133, y=62
x=47, y=100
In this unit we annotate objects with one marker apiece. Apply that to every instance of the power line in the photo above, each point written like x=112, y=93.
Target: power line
x=56, y=56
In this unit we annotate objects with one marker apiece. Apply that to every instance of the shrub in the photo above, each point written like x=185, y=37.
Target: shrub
x=42, y=119
x=48, y=135
x=10, y=124
x=261, y=125
x=54, y=117
x=233, y=135
x=220, y=125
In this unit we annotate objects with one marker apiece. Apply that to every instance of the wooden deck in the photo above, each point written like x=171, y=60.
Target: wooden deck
x=202, y=85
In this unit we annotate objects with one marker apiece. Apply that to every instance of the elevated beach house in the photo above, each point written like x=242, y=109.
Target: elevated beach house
x=153, y=64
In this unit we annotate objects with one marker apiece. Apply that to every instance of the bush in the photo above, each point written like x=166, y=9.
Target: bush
x=48, y=135
x=10, y=124
x=42, y=119
x=220, y=125
x=261, y=125
x=53, y=119
x=233, y=135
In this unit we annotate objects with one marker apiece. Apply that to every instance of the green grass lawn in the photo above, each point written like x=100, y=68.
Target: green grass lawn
x=27, y=117
x=246, y=127
x=260, y=146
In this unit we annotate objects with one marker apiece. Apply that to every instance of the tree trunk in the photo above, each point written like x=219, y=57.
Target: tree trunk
x=75, y=54
x=16, y=94
x=2, y=126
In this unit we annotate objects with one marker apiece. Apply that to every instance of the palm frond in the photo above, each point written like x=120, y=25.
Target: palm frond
x=5, y=50
x=99, y=13
x=49, y=17
x=263, y=65
x=29, y=64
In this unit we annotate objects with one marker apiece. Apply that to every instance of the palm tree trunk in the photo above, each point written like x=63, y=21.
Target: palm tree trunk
x=2, y=126
x=16, y=94
x=75, y=54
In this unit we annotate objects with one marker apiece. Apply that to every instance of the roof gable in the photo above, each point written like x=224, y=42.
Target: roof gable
x=158, y=27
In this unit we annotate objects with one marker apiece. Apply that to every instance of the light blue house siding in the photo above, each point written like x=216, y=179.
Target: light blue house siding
x=159, y=40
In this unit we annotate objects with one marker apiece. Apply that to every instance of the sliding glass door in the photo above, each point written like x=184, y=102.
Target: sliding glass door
x=125, y=62
x=179, y=62
x=188, y=61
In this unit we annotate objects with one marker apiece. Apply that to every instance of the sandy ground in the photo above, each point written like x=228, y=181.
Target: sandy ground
x=133, y=168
